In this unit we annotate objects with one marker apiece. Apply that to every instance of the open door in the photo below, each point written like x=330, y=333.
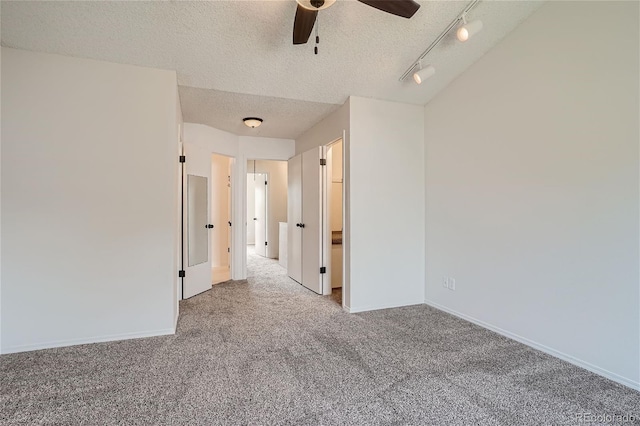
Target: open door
x=305, y=252
x=196, y=256
x=312, y=215
x=260, y=217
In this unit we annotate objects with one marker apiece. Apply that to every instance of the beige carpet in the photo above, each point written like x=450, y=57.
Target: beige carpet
x=267, y=351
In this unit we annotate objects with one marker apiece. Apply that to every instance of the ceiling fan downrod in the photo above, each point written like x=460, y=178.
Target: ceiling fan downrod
x=315, y=48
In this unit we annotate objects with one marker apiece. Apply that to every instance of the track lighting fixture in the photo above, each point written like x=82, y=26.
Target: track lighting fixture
x=252, y=122
x=468, y=29
x=463, y=33
x=423, y=73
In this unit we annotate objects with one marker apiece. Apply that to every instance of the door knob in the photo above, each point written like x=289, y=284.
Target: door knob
x=255, y=218
x=302, y=225
x=209, y=226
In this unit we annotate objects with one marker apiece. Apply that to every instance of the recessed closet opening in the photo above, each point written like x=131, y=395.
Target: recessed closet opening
x=267, y=208
x=335, y=218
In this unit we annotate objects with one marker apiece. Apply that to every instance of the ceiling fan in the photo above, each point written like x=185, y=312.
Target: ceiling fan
x=307, y=12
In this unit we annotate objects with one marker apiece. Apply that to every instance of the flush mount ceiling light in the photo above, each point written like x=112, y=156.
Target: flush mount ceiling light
x=252, y=122
x=423, y=73
x=468, y=29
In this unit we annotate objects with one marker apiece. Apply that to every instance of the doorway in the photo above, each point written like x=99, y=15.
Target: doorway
x=220, y=235
x=335, y=195
x=266, y=206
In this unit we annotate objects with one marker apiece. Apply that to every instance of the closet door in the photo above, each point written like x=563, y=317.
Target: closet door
x=294, y=218
x=197, y=258
x=312, y=213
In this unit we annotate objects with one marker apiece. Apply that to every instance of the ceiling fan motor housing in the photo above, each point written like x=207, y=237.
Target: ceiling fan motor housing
x=317, y=3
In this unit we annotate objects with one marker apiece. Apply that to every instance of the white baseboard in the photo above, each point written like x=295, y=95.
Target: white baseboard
x=101, y=339
x=354, y=310
x=570, y=359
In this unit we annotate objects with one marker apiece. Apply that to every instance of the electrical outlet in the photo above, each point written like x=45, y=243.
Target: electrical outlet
x=445, y=282
x=452, y=284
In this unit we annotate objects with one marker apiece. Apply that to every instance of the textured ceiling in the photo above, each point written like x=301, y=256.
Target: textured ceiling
x=283, y=118
x=224, y=51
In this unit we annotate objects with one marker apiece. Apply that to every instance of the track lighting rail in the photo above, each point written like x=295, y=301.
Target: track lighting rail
x=442, y=35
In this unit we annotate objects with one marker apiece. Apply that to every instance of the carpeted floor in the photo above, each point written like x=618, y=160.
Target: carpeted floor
x=267, y=351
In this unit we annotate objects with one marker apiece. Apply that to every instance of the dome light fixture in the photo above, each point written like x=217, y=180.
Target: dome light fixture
x=252, y=122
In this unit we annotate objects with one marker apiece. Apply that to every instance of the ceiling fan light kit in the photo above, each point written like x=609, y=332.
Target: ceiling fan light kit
x=307, y=12
x=315, y=4
x=252, y=122
x=463, y=33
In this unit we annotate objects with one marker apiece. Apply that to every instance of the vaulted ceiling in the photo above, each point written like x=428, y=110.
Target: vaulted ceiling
x=235, y=58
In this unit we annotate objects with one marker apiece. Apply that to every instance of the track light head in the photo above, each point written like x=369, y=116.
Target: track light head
x=423, y=74
x=468, y=29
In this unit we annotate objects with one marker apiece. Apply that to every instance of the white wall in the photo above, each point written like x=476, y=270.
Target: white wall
x=532, y=187
x=240, y=148
x=276, y=200
x=386, y=176
x=89, y=172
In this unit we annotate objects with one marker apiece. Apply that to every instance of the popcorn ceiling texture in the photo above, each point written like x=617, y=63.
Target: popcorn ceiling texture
x=269, y=352
x=283, y=118
x=245, y=47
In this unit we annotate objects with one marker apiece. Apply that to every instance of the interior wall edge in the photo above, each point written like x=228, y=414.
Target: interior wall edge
x=88, y=340
x=633, y=384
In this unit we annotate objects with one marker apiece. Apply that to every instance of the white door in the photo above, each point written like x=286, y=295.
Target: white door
x=260, y=217
x=251, y=209
x=312, y=223
x=229, y=216
x=294, y=218
x=197, y=225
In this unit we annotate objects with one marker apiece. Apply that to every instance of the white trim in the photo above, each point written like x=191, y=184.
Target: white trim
x=175, y=324
x=570, y=359
x=357, y=309
x=73, y=342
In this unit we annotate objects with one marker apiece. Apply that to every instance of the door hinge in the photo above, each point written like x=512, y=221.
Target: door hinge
x=323, y=270
x=183, y=159
x=323, y=161
x=181, y=274
x=228, y=249
x=229, y=223
x=265, y=243
x=265, y=182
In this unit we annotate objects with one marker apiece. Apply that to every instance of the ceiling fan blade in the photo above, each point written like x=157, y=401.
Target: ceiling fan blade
x=303, y=24
x=404, y=8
